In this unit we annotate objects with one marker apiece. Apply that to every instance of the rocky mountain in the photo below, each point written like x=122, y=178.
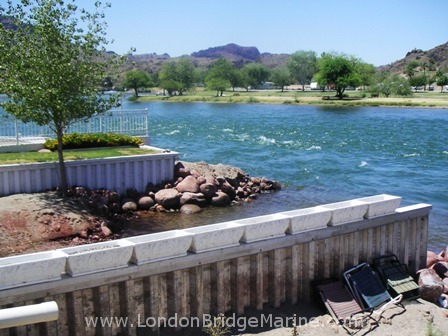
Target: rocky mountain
x=239, y=55
x=230, y=51
x=436, y=58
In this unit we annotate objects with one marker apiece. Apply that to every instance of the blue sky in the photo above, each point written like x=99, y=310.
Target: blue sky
x=378, y=32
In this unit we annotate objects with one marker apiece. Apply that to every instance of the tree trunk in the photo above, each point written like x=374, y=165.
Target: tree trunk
x=62, y=171
x=136, y=92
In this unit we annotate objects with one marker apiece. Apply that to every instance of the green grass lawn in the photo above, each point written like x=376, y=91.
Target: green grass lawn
x=33, y=157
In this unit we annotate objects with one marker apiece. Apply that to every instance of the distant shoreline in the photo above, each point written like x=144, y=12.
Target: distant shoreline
x=291, y=97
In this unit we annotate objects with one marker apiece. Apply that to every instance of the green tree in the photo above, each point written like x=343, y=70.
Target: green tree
x=169, y=78
x=218, y=77
x=137, y=79
x=52, y=65
x=338, y=71
x=185, y=74
x=366, y=73
x=424, y=66
x=236, y=78
x=411, y=68
x=441, y=79
x=400, y=86
x=281, y=77
x=419, y=80
x=394, y=84
x=177, y=76
x=302, y=66
x=255, y=74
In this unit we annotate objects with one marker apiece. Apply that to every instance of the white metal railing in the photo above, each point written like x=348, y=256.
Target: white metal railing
x=132, y=122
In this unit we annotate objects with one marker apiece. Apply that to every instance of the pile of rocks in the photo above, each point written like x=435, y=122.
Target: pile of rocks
x=433, y=280
x=196, y=186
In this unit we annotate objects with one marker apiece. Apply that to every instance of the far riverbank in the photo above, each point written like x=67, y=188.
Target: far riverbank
x=428, y=99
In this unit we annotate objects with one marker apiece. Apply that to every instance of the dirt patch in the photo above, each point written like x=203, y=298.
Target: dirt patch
x=44, y=221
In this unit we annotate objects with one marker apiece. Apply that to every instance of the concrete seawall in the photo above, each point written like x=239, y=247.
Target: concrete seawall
x=197, y=279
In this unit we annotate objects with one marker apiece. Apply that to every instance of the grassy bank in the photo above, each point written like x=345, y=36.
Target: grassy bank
x=355, y=98
x=33, y=157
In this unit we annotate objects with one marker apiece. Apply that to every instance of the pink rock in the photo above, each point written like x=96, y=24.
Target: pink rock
x=188, y=184
x=190, y=209
x=106, y=231
x=431, y=258
x=431, y=286
x=168, y=198
x=145, y=203
x=193, y=198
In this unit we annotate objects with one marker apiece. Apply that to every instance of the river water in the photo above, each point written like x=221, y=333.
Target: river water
x=318, y=154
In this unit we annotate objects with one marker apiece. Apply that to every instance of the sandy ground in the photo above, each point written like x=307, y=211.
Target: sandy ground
x=418, y=317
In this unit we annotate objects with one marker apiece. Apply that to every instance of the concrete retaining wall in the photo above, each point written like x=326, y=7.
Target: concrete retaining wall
x=214, y=279
x=116, y=174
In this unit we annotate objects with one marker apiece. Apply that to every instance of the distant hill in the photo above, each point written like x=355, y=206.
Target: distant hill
x=230, y=51
x=236, y=54
x=436, y=58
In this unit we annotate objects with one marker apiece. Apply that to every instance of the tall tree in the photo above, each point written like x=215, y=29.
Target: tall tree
x=219, y=75
x=52, y=65
x=281, y=77
x=366, y=73
x=177, y=76
x=338, y=71
x=185, y=74
x=410, y=68
x=169, y=78
x=302, y=65
x=441, y=79
x=137, y=79
x=256, y=74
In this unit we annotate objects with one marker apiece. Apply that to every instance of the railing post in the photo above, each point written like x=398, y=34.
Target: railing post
x=17, y=131
x=147, y=122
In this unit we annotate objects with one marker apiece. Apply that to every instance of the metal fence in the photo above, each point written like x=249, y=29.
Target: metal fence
x=131, y=122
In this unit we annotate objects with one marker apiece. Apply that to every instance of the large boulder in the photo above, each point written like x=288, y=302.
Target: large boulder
x=229, y=190
x=193, y=198
x=431, y=259
x=232, y=174
x=168, y=198
x=145, y=203
x=190, y=209
x=188, y=184
x=441, y=268
x=221, y=199
x=431, y=285
x=128, y=204
x=208, y=189
x=180, y=170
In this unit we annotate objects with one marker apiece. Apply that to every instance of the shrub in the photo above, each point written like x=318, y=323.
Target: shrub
x=90, y=140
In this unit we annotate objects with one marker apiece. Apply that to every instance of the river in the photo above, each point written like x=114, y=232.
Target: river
x=319, y=154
